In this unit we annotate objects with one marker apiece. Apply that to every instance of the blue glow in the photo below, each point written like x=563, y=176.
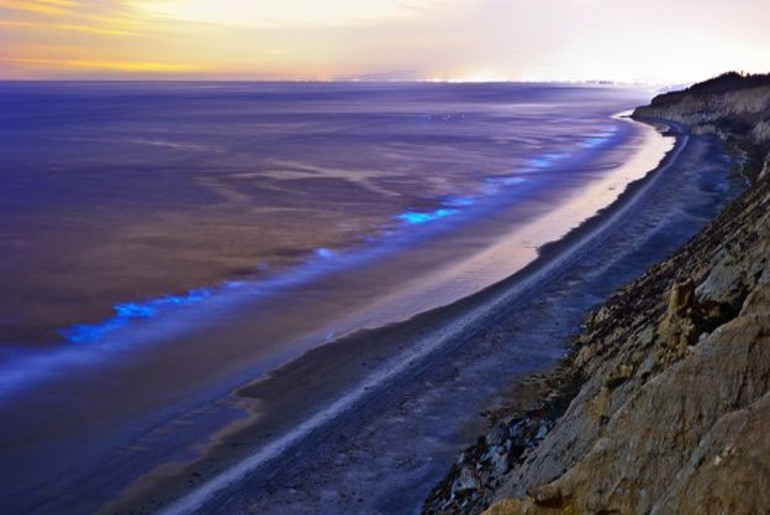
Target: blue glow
x=129, y=311
x=600, y=139
x=593, y=142
x=547, y=159
x=324, y=253
x=125, y=313
x=134, y=310
x=459, y=202
x=506, y=181
x=416, y=217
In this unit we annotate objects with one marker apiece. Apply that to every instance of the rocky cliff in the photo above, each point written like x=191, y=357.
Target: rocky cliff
x=734, y=107
x=664, y=404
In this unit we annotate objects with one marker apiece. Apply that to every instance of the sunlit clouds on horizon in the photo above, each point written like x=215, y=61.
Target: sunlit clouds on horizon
x=476, y=40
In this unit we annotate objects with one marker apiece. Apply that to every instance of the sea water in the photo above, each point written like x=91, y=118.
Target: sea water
x=159, y=239
x=120, y=200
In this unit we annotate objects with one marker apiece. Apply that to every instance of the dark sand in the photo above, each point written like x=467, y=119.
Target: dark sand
x=380, y=448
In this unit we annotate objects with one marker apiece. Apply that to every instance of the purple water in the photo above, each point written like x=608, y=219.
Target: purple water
x=161, y=239
x=118, y=193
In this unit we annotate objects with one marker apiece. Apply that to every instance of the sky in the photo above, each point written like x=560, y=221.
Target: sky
x=654, y=41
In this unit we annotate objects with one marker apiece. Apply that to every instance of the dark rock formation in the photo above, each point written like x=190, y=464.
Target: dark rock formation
x=664, y=403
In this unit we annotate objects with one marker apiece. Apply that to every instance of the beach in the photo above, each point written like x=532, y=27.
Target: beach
x=393, y=429
x=384, y=257
x=309, y=388
x=154, y=265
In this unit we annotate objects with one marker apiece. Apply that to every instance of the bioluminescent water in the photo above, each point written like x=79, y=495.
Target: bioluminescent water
x=164, y=242
x=122, y=193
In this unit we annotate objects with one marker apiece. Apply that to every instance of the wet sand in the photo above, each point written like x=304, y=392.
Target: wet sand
x=391, y=407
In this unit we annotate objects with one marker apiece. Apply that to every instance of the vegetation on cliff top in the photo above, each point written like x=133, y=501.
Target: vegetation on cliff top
x=729, y=81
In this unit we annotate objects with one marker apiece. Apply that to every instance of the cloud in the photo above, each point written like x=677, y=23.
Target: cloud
x=369, y=39
x=38, y=7
x=46, y=26
x=105, y=18
x=104, y=65
x=285, y=13
x=47, y=7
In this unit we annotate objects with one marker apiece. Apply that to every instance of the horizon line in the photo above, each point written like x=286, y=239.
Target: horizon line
x=606, y=82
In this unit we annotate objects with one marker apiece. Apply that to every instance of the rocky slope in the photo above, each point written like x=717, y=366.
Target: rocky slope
x=664, y=403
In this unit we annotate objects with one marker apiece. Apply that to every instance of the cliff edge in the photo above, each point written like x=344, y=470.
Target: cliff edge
x=664, y=403
x=732, y=106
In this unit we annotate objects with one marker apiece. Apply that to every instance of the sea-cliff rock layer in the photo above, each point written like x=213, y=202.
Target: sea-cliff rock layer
x=664, y=404
x=734, y=107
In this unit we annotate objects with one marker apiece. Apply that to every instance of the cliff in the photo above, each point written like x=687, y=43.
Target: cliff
x=732, y=106
x=664, y=403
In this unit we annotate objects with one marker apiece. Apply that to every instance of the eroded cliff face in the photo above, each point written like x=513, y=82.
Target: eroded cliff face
x=675, y=414
x=734, y=103
x=671, y=412
x=733, y=107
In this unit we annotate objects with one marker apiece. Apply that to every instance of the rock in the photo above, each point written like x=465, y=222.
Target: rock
x=765, y=168
x=725, y=282
x=549, y=496
x=758, y=301
x=497, y=435
x=689, y=431
x=679, y=327
x=467, y=480
x=499, y=462
x=713, y=110
x=709, y=129
x=761, y=132
x=622, y=374
x=737, y=448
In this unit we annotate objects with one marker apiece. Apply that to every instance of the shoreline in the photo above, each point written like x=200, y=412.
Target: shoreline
x=155, y=438
x=551, y=256
x=662, y=404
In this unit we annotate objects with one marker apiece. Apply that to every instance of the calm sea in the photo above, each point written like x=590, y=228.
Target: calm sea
x=123, y=201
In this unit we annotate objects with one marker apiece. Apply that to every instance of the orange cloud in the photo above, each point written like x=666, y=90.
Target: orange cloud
x=49, y=7
x=88, y=29
x=287, y=13
x=105, y=65
x=483, y=39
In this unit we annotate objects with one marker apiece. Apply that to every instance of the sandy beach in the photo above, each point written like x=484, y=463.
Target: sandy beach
x=130, y=398
x=330, y=429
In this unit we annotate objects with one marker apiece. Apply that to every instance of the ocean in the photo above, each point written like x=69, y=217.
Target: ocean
x=118, y=195
x=163, y=241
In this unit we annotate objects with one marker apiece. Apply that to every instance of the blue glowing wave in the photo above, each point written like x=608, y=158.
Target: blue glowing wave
x=449, y=207
x=547, y=160
x=599, y=140
x=505, y=181
x=417, y=217
x=325, y=254
x=459, y=201
x=127, y=313
x=131, y=311
x=168, y=314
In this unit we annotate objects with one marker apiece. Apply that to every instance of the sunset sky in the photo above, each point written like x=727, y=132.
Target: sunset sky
x=625, y=40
